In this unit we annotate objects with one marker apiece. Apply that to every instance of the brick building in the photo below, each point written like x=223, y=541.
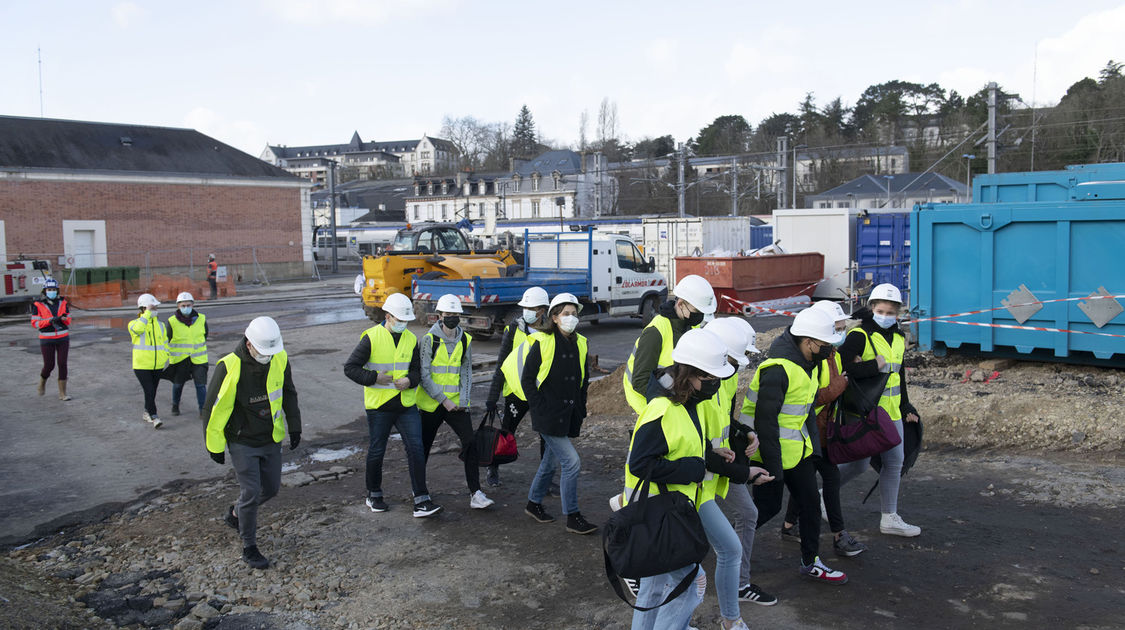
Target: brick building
x=84, y=194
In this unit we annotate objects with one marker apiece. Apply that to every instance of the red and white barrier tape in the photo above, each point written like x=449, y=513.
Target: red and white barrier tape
x=758, y=307
x=1042, y=328
x=1002, y=308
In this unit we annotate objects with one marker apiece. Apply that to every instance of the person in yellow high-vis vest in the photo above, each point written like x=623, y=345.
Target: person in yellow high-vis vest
x=447, y=382
x=250, y=406
x=554, y=374
x=877, y=346
x=692, y=299
x=387, y=363
x=831, y=384
x=534, y=304
x=187, y=351
x=150, y=353
x=669, y=446
x=778, y=405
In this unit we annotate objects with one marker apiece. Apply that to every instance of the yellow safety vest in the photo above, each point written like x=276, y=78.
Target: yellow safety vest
x=224, y=403
x=445, y=370
x=892, y=353
x=390, y=358
x=518, y=337
x=716, y=429
x=725, y=396
x=150, y=342
x=795, y=407
x=189, y=340
x=825, y=374
x=662, y=324
x=683, y=441
x=513, y=365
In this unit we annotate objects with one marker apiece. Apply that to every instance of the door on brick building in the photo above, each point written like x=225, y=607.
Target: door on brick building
x=83, y=248
x=84, y=242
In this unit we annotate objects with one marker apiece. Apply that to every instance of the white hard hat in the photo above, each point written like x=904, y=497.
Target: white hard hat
x=705, y=350
x=146, y=300
x=535, y=296
x=449, y=303
x=885, y=291
x=265, y=336
x=733, y=335
x=815, y=323
x=400, y=306
x=565, y=298
x=696, y=291
x=751, y=335
x=184, y=297
x=832, y=308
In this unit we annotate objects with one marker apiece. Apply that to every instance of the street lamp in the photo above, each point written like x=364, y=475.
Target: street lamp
x=968, y=170
x=795, y=147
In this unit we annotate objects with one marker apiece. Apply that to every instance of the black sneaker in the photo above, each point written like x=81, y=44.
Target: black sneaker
x=230, y=518
x=848, y=546
x=751, y=593
x=254, y=558
x=536, y=511
x=576, y=524
x=377, y=504
x=426, y=508
x=175, y=410
x=792, y=534
x=493, y=477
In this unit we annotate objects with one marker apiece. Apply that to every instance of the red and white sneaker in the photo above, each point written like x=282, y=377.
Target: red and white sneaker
x=817, y=571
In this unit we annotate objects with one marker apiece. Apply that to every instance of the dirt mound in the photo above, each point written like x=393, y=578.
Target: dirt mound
x=606, y=396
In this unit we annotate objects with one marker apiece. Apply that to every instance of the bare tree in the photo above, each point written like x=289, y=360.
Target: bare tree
x=470, y=136
x=583, y=122
x=607, y=122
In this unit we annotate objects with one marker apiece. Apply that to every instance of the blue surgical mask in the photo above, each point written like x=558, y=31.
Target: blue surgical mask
x=186, y=310
x=530, y=316
x=398, y=327
x=884, y=321
x=52, y=295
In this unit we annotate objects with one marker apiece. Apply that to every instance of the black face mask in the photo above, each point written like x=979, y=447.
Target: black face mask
x=707, y=389
x=824, y=353
x=695, y=319
x=451, y=321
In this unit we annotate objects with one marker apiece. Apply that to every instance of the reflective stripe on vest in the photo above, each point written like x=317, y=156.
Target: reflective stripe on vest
x=445, y=371
x=513, y=365
x=682, y=438
x=190, y=340
x=716, y=429
x=388, y=357
x=892, y=353
x=150, y=343
x=224, y=402
x=663, y=325
x=798, y=402
x=42, y=313
x=518, y=337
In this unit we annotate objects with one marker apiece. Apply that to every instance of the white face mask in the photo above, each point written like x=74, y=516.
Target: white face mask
x=260, y=358
x=398, y=327
x=530, y=316
x=567, y=323
x=884, y=321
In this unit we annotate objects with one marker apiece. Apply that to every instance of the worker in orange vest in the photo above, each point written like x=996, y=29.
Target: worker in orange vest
x=51, y=316
x=213, y=275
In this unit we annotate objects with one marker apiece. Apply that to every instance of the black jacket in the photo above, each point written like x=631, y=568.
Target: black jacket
x=649, y=345
x=558, y=406
x=251, y=421
x=854, y=346
x=506, y=343
x=353, y=369
x=773, y=383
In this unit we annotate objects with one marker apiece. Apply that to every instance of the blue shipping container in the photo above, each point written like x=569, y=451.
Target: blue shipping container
x=761, y=236
x=1043, y=185
x=882, y=249
x=970, y=257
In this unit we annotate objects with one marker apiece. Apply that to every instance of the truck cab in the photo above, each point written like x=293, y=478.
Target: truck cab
x=431, y=239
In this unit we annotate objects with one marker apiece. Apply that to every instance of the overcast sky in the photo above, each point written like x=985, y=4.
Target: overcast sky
x=301, y=72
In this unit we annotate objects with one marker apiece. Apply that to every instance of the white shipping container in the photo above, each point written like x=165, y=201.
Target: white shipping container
x=666, y=238
x=830, y=231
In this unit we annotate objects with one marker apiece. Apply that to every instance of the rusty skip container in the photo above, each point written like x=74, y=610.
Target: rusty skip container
x=755, y=278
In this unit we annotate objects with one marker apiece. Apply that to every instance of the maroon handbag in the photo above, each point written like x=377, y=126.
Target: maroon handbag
x=860, y=427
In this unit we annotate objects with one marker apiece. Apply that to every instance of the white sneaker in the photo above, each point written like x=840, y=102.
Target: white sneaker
x=156, y=423
x=479, y=501
x=147, y=418
x=894, y=525
x=738, y=625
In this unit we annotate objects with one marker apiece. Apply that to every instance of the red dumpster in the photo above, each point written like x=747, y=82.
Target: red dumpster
x=755, y=278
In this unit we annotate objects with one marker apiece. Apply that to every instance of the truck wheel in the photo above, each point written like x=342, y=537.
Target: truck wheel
x=648, y=309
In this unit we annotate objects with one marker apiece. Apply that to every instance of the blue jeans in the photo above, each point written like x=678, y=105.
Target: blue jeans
x=674, y=615
x=890, y=475
x=409, y=425
x=558, y=452
x=728, y=557
x=743, y=514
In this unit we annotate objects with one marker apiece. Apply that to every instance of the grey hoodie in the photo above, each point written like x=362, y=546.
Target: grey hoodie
x=426, y=349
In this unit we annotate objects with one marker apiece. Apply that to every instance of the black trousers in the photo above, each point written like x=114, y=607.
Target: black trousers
x=801, y=481
x=830, y=478
x=54, y=348
x=149, y=379
x=462, y=425
x=513, y=411
x=214, y=287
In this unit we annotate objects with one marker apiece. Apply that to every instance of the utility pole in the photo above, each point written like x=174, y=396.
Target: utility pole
x=332, y=209
x=782, y=153
x=680, y=156
x=992, y=128
x=734, y=187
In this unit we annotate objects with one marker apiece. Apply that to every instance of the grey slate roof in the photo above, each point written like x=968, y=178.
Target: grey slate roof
x=46, y=143
x=900, y=183
x=564, y=161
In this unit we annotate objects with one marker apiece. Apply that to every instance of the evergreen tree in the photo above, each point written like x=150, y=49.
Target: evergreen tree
x=524, y=140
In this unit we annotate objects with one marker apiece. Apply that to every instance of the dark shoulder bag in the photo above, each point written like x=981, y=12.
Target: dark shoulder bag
x=861, y=428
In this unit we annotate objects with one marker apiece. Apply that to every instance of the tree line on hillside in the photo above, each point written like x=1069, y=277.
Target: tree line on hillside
x=936, y=126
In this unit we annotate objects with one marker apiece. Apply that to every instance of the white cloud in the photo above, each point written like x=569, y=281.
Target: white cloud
x=1080, y=52
x=306, y=12
x=662, y=51
x=241, y=134
x=966, y=81
x=125, y=14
